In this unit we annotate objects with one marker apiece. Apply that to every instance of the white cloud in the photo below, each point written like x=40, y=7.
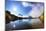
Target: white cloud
x=36, y=12
x=25, y=4
x=13, y=10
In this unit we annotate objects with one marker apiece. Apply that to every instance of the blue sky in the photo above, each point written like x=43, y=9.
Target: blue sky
x=20, y=8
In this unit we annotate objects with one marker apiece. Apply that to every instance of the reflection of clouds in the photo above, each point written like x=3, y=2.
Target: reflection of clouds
x=35, y=21
x=22, y=23
x=14, y=26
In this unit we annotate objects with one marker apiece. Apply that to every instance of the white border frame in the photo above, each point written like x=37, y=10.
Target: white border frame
x=2, y=15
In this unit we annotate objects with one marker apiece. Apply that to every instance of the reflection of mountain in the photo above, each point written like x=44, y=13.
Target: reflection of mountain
x=11, y=17
x=20, y=24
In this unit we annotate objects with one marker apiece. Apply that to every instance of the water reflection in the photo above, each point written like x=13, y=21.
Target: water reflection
x=22, y=24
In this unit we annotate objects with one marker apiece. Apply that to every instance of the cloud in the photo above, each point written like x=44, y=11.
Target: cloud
x=13, y=10
x=36, y=11
x=25, y=4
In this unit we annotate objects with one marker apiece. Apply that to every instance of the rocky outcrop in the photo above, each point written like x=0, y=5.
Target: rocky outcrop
x=10, y=17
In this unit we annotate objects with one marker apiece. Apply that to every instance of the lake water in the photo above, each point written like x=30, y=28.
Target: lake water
x=22, y=24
